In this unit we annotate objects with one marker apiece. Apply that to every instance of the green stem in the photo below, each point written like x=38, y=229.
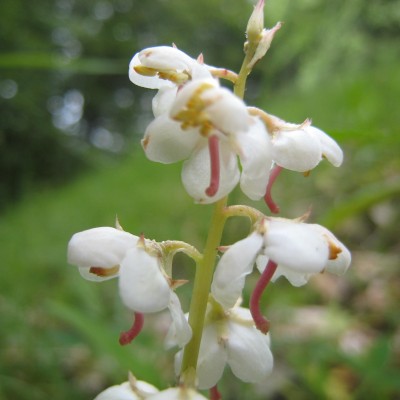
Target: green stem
x=201, y=289
x=244, y=72
x=205, y=269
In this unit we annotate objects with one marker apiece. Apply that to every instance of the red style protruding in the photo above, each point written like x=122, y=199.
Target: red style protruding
x=213, y=147
x=274, y=208
x=128, y=336
x=215, y=394
x=262, y=324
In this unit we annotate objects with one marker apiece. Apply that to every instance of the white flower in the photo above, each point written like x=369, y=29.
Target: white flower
x=129, y=390
x=301, y=147
x=178, y=393
x=300, y=250
x=230, y=337
x=160, y=66
x=144, y=287
x=210, y=127
x=98, y=252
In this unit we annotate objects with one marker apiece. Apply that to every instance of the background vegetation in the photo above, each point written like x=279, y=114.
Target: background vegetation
x=70, y=159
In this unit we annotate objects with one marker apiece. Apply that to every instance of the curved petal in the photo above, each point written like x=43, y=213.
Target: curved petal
x=118, y=392
x=340, y=259
x=105, y=275
x=190, y=90
x=249, y=355
x=297, y=150
x=178, y=393
x=124, y=391
x=180, y=331
x=165, y=142
x=196, y=173
x=329, y=148
x=295, y=245
x=165, y=58
x=256, y=159
x=149, y=82
x=295, y=278
x=102, y=247
x=142, y=285
x=212, y=358
x=163, y=100
x=227, y=112
x=235, y=264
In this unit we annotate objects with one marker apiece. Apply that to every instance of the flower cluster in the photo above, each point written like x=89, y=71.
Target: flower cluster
x=223, y=143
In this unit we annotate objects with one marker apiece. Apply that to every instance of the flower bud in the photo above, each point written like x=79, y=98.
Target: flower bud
x=256, y=23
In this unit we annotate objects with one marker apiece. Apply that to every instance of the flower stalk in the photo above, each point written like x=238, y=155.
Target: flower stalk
x=201, y=289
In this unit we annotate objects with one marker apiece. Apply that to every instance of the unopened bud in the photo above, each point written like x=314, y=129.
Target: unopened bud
x=264, y=44
x=256, y=23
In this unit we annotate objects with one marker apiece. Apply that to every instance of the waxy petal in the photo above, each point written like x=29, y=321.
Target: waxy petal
x=295, y=245
x=226, y=111
x=255, y=153
x=340, y=257
x=212, y=358
x=178, y=393
x=329, y=148
x=180, y=331
x=235, y=264
x=165, y=58
x=297, y=150
x=165, y=142
x=196, y=174
x=124, y=391
x=163, y=100
x=102, y=247
x=149, y=82
x=142, y=285
x=249, y=355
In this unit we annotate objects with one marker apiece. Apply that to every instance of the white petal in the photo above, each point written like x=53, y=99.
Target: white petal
x=165, y=141
x=341, y=263
x=180, y=393
x=294, y=277
x=180, y=331
x=297, y=150
x=329, y=148
x=125, y=392
x=165, y=58
x=256, y=159
x=149, y=82
x=235, y=264
x=249, y=355
x=163, y=100
x=226, y=111
x=103, y=247
x=196, y=174
x=142, y=285
x=118, y=392
x=188, y=91
x=212, y=358
x=296, y=245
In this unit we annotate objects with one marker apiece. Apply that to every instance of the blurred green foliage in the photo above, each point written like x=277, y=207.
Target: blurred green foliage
x=67, y=107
